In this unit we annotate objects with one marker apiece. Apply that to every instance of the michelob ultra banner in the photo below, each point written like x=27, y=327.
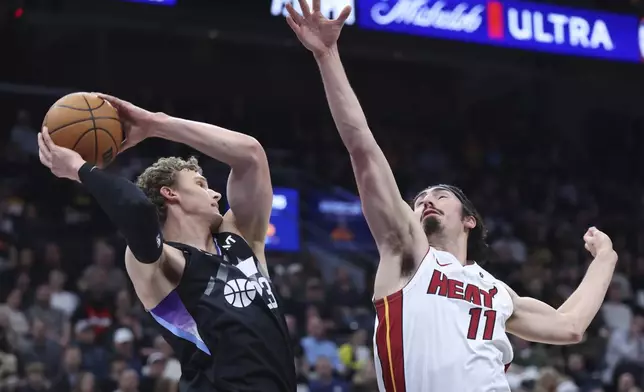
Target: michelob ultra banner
x=527, y=26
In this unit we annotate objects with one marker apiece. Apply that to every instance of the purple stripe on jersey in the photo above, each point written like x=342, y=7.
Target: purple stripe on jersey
x=172, y=314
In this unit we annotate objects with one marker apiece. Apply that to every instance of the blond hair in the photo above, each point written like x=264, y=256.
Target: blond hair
x=163, y=173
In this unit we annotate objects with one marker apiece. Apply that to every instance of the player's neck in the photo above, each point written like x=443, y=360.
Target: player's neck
x=190, y=231
x=456, y=247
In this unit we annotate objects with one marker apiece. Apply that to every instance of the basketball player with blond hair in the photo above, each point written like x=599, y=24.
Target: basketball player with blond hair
x=442, y=319
x=202, y=276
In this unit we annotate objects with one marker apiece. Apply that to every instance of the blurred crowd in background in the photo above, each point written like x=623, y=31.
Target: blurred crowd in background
x=543, y=156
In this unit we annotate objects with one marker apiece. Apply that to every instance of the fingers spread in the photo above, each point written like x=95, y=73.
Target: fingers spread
x=295, y=16
x=316, y=5
x=306, y=11
x=294, y=26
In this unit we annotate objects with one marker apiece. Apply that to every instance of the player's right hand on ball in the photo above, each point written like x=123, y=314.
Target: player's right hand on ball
x=597, y=242
x=137, y=122
x=317, y=33
x=63, y=162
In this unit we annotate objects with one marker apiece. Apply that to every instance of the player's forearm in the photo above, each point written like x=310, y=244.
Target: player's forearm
x=343, y=102
x=585, y=302
x=232, y=148
x=128, y=208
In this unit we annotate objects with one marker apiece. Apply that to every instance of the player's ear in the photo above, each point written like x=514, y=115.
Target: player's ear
x=469, y=222
x=168, y=193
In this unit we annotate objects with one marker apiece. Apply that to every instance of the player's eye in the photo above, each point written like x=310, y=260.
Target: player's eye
x=442, y=197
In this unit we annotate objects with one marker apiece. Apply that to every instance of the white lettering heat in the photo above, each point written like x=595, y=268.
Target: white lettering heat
x=558, y=28
x=419, y=13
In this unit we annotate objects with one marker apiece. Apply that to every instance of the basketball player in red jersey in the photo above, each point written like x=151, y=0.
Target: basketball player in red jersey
x=442, y=319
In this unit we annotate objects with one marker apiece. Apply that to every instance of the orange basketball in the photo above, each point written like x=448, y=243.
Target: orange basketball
x=86, y=124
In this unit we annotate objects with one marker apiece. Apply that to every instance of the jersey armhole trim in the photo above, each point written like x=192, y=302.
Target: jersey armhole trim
x=398, y=293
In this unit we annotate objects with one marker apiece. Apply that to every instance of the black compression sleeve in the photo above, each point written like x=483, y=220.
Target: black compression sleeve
x=129, y=209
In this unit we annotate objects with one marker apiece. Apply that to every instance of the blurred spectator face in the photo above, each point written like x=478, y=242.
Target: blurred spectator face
x=117, y=368
x=323, y=368
x=156, y=364
x=85, y=333
x=52, y=254
x=315, y=328
x=576, y=363
x=39, y=330
x=637, y=325
x=35, y=375
x=615, y=293
x=72, y=359
x=26, y=258
x=57, y=280
x=23, y=282
x=161, y=345
x=123, y=300
x=87, y=383
x=625, y=382
x=314, y=290
x=43, y=295
x=103, y=254
x=14, y=299
x=448, y=219
x=129, y=381
x=123, y=341
x=359, y=338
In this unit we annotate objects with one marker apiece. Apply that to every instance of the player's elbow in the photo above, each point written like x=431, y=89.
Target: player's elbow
x=573, y=333
x=252, y=153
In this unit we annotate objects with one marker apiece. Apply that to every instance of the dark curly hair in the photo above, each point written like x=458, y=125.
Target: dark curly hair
x=477, y=247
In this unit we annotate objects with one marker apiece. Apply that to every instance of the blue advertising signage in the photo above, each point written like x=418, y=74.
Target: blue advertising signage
x=528, y=26
x=284, y=231
x=341, y=222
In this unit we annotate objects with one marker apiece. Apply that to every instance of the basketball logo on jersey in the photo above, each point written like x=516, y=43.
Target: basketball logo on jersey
x=240, y=293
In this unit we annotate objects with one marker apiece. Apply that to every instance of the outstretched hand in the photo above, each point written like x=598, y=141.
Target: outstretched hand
x=137, y=122
x=317, y=33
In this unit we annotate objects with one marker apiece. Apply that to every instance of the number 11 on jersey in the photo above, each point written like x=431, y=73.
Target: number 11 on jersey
x=475, y=321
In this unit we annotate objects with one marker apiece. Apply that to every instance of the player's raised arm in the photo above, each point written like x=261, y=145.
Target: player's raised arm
x=249, y=191
x=125, y=204
x=389, y=217
x=536, y=321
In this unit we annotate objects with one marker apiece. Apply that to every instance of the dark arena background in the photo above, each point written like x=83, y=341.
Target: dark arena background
x=539, y=118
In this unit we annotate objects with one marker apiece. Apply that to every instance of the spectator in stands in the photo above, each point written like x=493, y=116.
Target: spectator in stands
x=129, y=381
x=71, y=371
x=36, y=380
x=625, y=345
x=172, y=369
x=317, y=345
x=61, y=299
x=355, y=354
x=365, y=379
x=17, y=319
x=42, y=349
x=58, y=326
x=125, y=346
x=85, y=383
x=617, y=315
x=95, y=357
x=152, y=372
x=103, y=267
x=325, y=381
x=117, y=367
x=96, y=309
x=9, y=376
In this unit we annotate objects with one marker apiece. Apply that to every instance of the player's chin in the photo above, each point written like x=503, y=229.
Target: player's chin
x=431, y=224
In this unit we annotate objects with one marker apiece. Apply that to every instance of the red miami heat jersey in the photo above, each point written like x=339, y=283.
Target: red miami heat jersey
x=444, y=331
